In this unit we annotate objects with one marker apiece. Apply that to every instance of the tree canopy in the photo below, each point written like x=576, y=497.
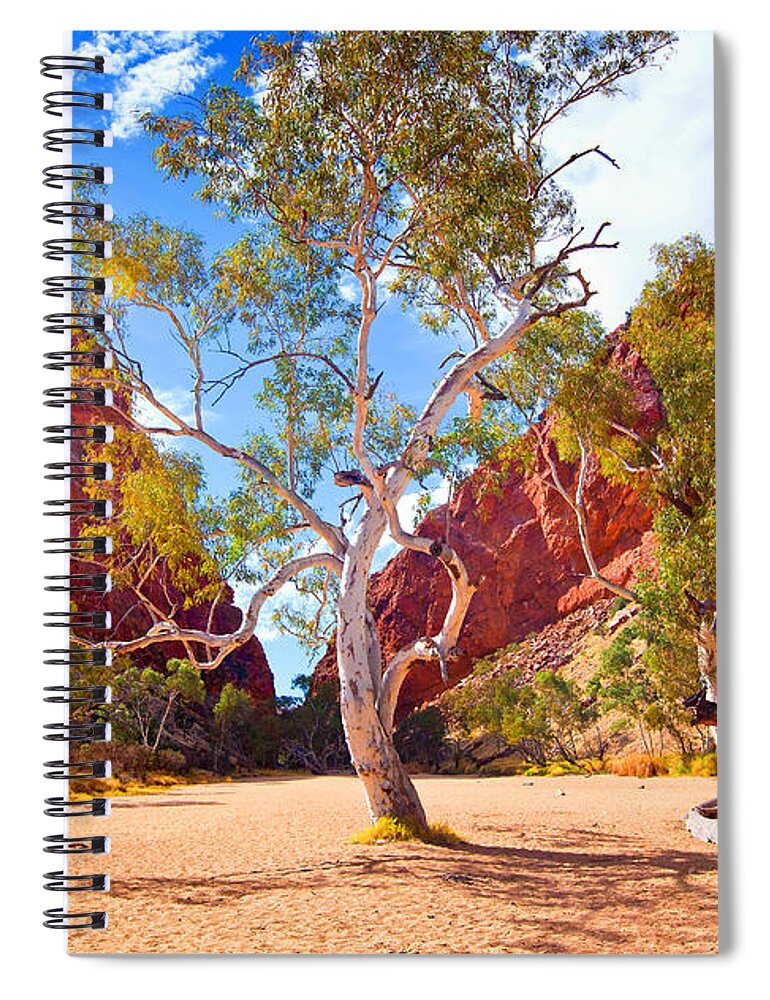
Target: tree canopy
x=360, y=165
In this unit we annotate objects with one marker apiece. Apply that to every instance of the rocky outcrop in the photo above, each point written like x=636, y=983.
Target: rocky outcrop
x=519, y=542
x=246, y=667
x=554, y=646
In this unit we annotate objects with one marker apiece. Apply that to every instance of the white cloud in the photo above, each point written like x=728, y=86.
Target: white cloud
x=661, y=133
x=151, y=68
x=349, y=289
x=179, y=400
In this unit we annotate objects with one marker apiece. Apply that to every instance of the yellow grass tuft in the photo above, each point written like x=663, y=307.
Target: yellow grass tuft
x=638, y=765
x=389, y=828
x=642, y=765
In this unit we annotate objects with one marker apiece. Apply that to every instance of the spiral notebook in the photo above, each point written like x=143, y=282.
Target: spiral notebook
x=382, y=366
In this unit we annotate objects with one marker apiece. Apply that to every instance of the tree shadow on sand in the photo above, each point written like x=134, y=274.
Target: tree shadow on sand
x=585, y=871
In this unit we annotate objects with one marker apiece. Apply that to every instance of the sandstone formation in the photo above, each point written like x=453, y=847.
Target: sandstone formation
x=246, y=667
x=519, y=539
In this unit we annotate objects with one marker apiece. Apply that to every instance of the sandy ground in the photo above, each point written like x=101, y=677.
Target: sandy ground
x=600, y=864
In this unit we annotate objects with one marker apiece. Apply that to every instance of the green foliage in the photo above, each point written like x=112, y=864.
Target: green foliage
x=234, y=705
x=164, y=523
x=147, y=701
x=153, y=262
x=184, y=681
x=673, y=329
x=644, y=691
x=420, y=736
x=621, y=682
x=544, y=718
x=234, y=721
x=436, y=136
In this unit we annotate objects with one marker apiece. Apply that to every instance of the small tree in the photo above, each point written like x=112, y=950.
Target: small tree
x=545, y=717
x=623, y=685
x=312, y=734
x=673, y=327
x=146, y=698
x=234, y=722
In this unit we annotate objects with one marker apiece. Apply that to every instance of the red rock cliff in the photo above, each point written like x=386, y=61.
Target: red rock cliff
x=520, y=539
x=246, y=667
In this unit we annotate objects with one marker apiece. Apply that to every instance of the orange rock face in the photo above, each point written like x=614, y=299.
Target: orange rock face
x=518, y=538
x=246, y=667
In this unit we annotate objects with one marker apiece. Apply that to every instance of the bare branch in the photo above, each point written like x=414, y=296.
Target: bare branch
x=228, y=381
x=438, y=646
x=577, y=505
x=568, y=162
x=168, y=631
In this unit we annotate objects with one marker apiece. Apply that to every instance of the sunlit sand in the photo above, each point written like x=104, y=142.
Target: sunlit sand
x=573, y=864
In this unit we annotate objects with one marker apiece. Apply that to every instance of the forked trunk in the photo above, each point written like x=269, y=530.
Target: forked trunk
x=388, y=787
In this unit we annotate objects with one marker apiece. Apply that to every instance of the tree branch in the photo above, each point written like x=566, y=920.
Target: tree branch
x=577, y=506
x=438, y=646
x=169, y=632
x=446, y=392
x=329, y=532
x=562, y=166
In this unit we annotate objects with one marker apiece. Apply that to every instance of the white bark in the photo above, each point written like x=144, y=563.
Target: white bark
x=577, y=506
x=388, y=788
x=437, y=646
x=445, y=394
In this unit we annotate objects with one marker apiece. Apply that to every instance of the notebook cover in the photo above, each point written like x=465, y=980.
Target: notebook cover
x=412, y=639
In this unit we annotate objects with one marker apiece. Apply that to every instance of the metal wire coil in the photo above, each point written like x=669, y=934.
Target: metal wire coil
x=58, y=99
x=54, y=66
x=76, y=248
x=62, y=882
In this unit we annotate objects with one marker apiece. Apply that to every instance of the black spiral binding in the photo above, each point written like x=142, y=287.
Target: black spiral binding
x=64, y=212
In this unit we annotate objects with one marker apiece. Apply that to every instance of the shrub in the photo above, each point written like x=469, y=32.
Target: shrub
x=389, y=828
x=639, y=765
x=705, y=766
x=419, y=738
x=502, y=766
x=170, y=762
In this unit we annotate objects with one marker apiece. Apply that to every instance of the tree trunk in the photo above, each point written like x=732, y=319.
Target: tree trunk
x=707, y=663
x=162, y=724
x=388, y=788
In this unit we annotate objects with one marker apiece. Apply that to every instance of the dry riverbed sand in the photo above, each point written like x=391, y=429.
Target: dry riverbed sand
x=572, y=864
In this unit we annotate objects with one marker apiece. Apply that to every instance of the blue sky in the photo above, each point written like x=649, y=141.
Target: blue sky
x=660, y=131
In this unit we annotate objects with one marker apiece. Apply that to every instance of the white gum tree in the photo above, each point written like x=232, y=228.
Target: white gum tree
x=412, y=164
